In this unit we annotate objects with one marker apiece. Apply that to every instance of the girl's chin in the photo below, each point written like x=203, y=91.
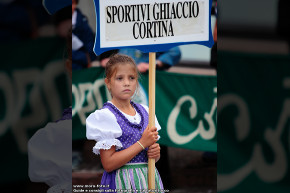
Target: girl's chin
x=124, y=98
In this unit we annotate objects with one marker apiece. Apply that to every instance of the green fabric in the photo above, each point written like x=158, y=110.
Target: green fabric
x=34, y=90
x=185, y=106
x=140, y=175
x=253, y=123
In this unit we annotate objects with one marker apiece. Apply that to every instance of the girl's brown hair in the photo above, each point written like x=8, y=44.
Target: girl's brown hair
x=115, y=61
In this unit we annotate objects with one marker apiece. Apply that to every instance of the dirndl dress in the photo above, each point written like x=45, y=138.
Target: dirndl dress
x=132, y=177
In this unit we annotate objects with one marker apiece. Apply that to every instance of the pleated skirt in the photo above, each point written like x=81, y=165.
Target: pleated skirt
x=131, y=178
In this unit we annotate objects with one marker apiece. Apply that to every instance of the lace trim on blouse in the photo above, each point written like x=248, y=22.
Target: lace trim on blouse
x=107, y=144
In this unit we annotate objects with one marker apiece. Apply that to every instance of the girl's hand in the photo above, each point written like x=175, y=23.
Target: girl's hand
x=154, y=151
x=149, y=136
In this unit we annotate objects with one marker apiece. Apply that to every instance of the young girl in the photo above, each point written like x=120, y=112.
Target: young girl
x=124, y=141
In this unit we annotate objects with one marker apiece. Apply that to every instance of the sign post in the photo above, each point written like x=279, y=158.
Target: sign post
x=151, y=26
x=152, y=74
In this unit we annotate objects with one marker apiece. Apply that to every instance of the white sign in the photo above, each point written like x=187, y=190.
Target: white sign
x=136, y=23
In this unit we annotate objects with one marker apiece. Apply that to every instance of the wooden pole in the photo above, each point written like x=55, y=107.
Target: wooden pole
x=152, y=74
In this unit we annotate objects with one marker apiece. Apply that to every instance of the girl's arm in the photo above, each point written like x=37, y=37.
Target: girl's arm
x=112, y=160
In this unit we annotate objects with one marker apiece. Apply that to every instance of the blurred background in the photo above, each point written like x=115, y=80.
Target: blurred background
x=253, y=96
x=35, y=88
x=35, y=93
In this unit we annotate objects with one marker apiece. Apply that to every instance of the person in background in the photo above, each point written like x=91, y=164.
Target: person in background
x=62, y=22
x=164, y=60
x=83, y=39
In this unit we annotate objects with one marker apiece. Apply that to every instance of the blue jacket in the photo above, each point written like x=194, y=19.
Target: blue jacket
x=170, y=57
x=84, y=32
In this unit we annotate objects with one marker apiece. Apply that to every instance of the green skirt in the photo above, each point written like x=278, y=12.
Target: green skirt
x=134, y=178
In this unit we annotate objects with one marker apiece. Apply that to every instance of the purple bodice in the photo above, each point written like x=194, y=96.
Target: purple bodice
x=131, y=132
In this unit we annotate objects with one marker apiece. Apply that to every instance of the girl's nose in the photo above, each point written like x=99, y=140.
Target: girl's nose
x=127, y=81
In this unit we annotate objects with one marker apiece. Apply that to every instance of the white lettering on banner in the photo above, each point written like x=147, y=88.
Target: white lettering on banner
x=18, y=96
x=86, y=92
x=209, y=118
x=267, y=172
x=51, y=71
x=171, y=124
x=242, y=122
x=23, y=79
x=172, y=119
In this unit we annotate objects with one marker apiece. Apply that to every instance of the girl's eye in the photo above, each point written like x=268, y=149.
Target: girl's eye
x=132, y=78
x=119, y=78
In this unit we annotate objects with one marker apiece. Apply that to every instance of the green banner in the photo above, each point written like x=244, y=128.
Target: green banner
x=185, y=106
x=34, y=90
x=253, y=123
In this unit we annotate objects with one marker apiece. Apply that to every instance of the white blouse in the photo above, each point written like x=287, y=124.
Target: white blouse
x=102, y=126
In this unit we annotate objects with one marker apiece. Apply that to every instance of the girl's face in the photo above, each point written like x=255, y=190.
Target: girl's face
x=123, y=83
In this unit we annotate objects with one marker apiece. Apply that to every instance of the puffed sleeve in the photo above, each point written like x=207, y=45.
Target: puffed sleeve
x=102, y=127
x=156, y=121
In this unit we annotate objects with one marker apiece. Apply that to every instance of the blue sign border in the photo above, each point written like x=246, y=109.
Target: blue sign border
x=147, y=48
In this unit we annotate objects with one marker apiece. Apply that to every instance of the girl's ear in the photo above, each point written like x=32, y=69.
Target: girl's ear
x=107, y=82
